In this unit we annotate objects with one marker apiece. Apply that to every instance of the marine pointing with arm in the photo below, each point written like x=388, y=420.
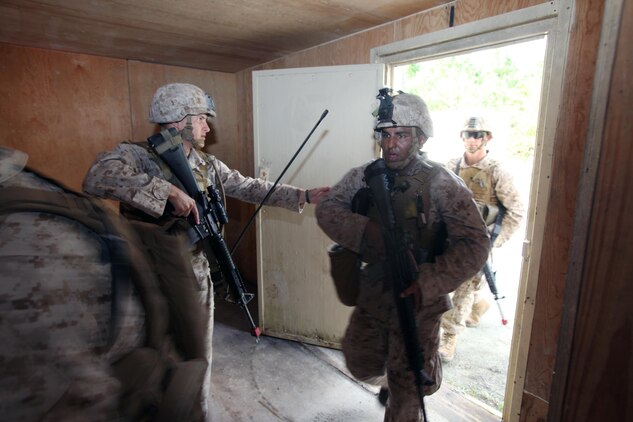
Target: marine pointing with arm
x=135, y=175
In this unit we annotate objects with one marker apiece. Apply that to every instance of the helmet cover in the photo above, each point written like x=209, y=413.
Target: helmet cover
x=402, y=110
x=476, y=124
x=173, y=102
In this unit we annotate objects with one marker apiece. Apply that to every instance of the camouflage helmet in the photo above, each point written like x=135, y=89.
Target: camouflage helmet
x=476, y=124
x=173, y=102
x=402, y=110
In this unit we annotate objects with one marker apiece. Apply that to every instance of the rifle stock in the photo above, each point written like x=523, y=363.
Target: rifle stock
x=212, y=214
x=402, y=271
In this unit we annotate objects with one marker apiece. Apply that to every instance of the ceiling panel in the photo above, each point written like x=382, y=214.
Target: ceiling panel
x=219, y=35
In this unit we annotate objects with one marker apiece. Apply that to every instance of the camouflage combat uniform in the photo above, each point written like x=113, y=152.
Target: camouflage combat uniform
x=372, y=344
x=133, y=175
x=491, y=185
x=55, y=313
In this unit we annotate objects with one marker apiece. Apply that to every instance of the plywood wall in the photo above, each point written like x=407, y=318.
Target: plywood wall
x=558, y=231
x=64, y=108
x=568, y=153
x=600, y=367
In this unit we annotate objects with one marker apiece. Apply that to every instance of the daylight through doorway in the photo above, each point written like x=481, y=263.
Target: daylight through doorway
x=503, y=85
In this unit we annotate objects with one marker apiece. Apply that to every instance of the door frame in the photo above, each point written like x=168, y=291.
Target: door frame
x=552, y=20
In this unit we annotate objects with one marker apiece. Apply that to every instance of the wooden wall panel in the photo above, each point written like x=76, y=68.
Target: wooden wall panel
x=566, y=170
x=533, y=409
x=62, y=108
x=423, y=23
x=474, y=10
x=350, y=50
x=600, y=382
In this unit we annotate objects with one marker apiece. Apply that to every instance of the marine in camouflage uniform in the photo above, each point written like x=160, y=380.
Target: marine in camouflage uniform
x=134, y=175
x=373, y=347
x=55, y=312
x=492, y=188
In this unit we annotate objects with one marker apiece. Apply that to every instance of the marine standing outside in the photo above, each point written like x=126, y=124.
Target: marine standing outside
x=493, y=190
x=134, y=175
x=431, y=200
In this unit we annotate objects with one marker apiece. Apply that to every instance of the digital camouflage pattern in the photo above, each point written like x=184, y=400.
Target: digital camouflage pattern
x=491, y=184
x=132, y=175
x=55, y=312
x=476, y=124
x=373, y=345
x=173, y=102
x=409, y=110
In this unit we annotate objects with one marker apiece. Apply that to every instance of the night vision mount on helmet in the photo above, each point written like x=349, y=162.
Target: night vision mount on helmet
x=402, y=109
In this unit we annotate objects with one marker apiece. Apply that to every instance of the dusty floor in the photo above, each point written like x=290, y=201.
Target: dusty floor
x=281, y=380
x=480, y=366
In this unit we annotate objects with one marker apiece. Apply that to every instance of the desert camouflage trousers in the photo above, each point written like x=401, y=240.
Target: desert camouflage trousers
x=454, y=320
x=200, y=266
x=375, y=352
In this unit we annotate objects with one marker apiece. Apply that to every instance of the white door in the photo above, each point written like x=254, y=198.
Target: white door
x=296, y=295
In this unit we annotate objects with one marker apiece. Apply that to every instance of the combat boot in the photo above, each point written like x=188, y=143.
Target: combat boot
x=448, y=343
x=478, y=310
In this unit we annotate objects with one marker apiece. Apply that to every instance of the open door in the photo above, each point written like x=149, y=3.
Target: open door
x=297, y=299
x=548, y=22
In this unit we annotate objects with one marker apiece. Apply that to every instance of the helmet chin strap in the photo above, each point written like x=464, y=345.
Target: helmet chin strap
x=187, y=132
x=480, y=147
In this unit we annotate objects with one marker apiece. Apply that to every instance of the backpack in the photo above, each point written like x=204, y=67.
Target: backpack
x=156, y=385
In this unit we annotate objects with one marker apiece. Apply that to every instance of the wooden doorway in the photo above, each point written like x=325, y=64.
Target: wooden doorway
x=549, y=22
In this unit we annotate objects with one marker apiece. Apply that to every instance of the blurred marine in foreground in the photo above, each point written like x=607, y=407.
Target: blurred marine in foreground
x=93, y=326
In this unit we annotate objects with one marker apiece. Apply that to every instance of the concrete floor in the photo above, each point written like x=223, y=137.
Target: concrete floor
x=282, y=380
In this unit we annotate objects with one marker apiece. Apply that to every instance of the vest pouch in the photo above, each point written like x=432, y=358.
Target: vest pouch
x=345, y=270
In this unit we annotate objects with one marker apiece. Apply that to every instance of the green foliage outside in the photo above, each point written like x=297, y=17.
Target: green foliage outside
x=503, y=81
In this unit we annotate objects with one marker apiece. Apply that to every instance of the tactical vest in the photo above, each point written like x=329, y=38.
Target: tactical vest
x=149, y=259
x=480, y=183
x=411, y=201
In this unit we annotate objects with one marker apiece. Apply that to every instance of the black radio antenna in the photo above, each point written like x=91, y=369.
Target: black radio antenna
x=272, y=189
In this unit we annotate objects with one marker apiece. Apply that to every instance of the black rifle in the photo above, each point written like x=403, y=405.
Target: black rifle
x=491, y=276
x=168, y=145
x=402, y=271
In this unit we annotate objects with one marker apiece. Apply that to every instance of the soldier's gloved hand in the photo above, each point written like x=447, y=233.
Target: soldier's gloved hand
x=183, y=204
x=373, y=243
